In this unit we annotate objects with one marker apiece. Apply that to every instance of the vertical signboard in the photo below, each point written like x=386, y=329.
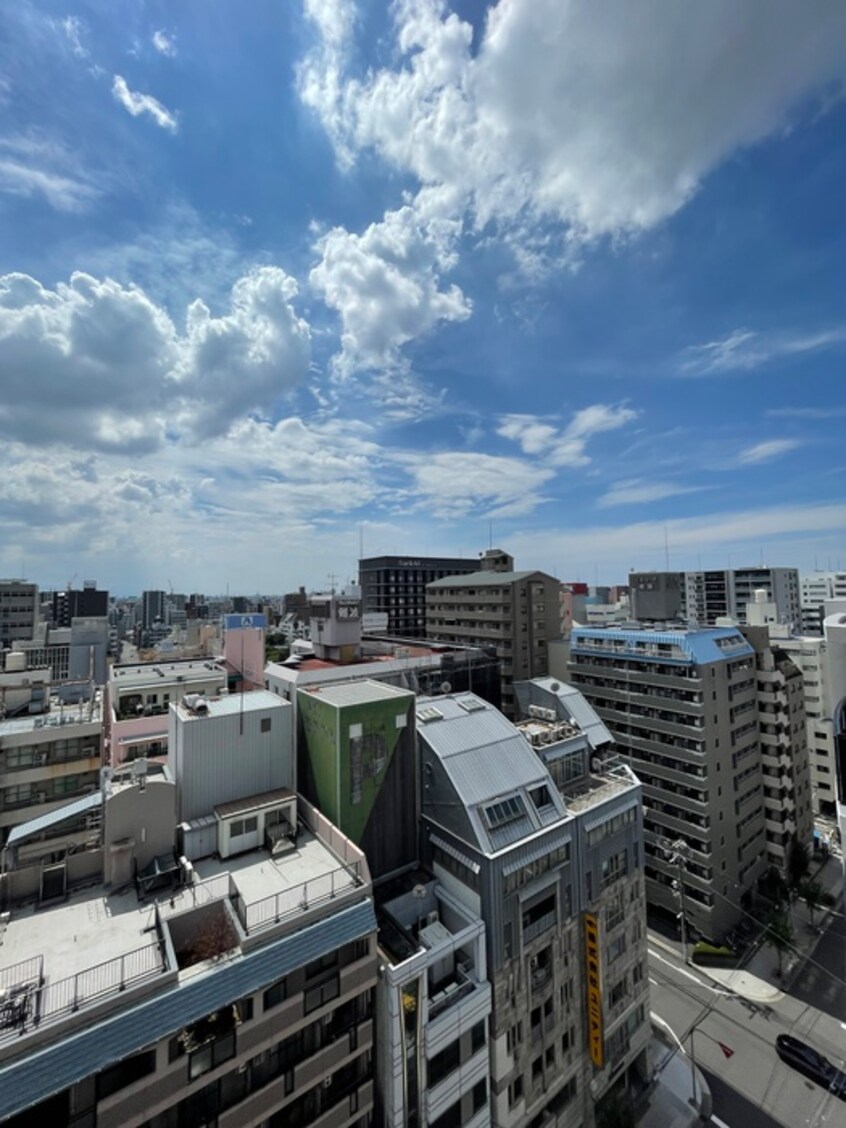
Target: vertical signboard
x=594, y=995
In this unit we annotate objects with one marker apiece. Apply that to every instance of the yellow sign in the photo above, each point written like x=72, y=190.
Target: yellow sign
x=594, y=995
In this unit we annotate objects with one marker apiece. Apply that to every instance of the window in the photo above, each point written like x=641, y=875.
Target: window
x=515, y=1091
x=444, y=1063
x=480, y=1095
x=321, y=994
x=614, y=868
x=266, y=723
x=537, y=1068
x=514, y=1037
x=211, y=1055
x=477, y=1037
x=505, y=811
x=540, y=797
x=239, y=827
x=124, y=1072
x=276, y=994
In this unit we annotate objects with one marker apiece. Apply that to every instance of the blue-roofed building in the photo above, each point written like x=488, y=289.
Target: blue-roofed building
x=681, y=705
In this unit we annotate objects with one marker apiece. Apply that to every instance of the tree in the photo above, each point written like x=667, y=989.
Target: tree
x=798, y=864
x=778, y=935
x=811, y=893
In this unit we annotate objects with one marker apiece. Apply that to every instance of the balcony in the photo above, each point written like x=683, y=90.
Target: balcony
x=461, y=986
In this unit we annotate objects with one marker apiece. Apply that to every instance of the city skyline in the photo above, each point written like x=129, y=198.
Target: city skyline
x=279, y=286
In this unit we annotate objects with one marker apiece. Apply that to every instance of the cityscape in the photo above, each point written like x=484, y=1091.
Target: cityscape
x=457, y=843
x=422, y=564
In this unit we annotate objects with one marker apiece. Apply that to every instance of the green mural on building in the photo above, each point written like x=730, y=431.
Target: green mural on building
x=350, y=748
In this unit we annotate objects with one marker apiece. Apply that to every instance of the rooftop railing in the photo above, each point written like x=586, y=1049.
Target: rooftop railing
x=298, y=899
x=30, y=1001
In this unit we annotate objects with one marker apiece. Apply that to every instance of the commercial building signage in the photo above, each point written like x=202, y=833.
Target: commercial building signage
x=241, y=622
x=594, y=995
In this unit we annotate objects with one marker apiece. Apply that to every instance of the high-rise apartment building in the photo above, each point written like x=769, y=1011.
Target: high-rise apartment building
x=517, y=613
x=19, y=611
x=86, y=602
x=682, y=706
x=153, y=607
x=520, y=832
x=700, y=598
x=396, y=586
x=785, y=763
x=816, y=588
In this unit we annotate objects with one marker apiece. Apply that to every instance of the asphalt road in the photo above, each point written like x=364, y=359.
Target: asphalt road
x=823, y=982
x=687, y=1000
x=734, y=1110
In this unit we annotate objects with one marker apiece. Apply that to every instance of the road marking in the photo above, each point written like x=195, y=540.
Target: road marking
x=715, y=1120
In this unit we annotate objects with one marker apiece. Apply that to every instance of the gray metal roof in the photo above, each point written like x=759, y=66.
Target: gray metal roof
x=52, y=818
x=482, y=579
x=32, y=1077
x=585, y=716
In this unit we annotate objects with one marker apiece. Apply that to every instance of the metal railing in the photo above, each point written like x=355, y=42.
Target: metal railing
x=49, y=1002
x=298, y=899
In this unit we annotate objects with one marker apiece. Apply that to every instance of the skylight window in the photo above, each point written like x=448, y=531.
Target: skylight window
x=504, y=811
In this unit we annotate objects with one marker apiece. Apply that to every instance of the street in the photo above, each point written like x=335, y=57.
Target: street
x=824, y=986
x=686, y=999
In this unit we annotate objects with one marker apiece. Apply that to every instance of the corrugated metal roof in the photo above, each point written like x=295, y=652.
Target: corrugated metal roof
x=580, y=710
x=699, y=646
x=254, y=802
x=33, y=1077
x=51, y=818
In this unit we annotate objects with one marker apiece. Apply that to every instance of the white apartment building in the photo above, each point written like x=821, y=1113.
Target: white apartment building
x=815, y=589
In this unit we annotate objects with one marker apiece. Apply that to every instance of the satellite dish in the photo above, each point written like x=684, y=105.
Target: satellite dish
x=446, y=687
x=555, y=687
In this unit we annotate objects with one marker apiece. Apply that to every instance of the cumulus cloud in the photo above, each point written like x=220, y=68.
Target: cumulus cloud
x=456, y=484
x=165, y=44
x=565, y=447
x=137, y=104
x=603, y=122
x=98, y=364
x=385, y=284
x=764, y=452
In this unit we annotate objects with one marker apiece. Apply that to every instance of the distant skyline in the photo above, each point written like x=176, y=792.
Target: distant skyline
x=278, y=277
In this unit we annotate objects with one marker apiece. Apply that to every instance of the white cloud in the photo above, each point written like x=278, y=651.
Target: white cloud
x=814, y=413
x=94, y=363
x=165, y=44
x=37, y=166
x=565, y=447
x=638, y=492
x=455, y=484
x=600, y=122
x=764, y=452
x=385, y=284
x=137, y=104
x=73, y=27
x=743, y=350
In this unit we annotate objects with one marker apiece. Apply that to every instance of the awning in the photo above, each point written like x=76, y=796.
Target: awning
x=525, y=855
x=454, y=852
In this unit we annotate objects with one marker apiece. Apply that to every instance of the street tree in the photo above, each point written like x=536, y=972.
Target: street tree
x=778, y=935
x=798, y=864
x=811, y=893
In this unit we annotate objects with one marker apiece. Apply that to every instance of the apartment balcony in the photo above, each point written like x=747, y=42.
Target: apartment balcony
x=461, y=987
x=652, y=793
x=679, y=825
x=681, y=776
x=582, y=663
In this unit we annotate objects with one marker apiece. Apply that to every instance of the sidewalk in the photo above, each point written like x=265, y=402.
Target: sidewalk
x=758, y=979
x=667, y=1102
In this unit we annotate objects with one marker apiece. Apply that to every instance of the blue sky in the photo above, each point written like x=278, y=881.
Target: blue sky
x=280, y=279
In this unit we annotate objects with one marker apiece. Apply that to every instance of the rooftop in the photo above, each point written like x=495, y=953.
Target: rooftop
x=60, y=715
x=665, y=644
x=153, y=673
x=96, y=943
x=359, y=692
x=482, y=579
x=231, y=705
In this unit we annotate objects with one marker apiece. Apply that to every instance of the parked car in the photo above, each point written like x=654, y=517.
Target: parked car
x=812, y=1064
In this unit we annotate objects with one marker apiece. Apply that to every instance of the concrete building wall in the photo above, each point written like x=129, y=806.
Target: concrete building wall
x=19, y=611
